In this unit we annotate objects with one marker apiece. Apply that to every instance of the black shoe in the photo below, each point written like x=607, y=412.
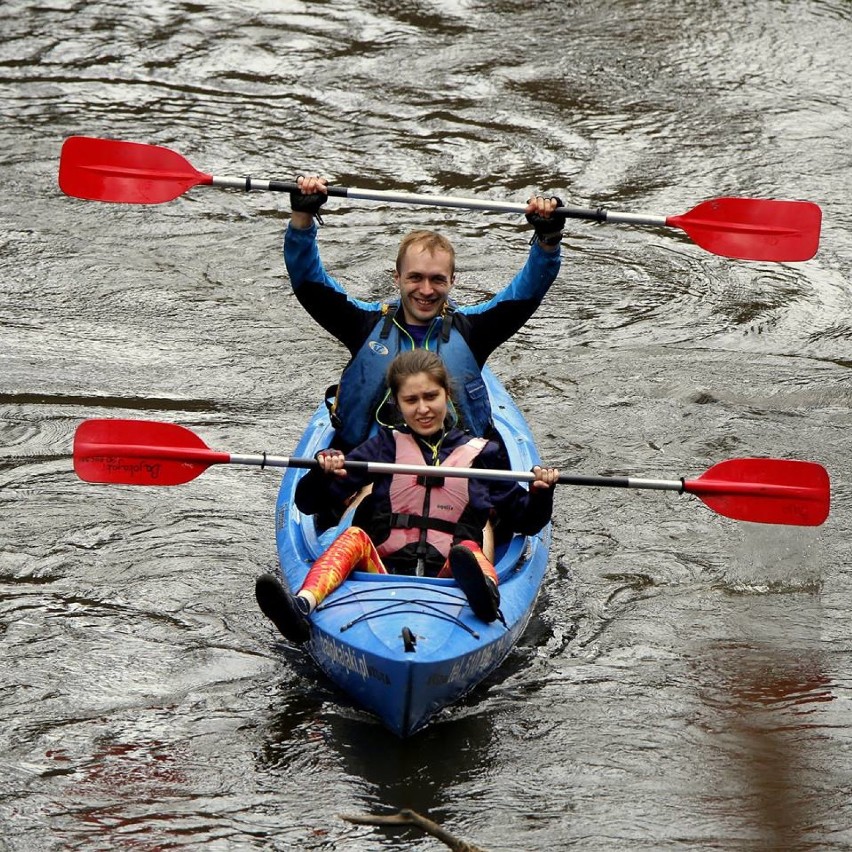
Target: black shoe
x=282, y=609
x=480, y=591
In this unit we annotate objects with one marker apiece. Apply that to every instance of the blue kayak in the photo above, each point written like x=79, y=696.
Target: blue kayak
x=405, y=647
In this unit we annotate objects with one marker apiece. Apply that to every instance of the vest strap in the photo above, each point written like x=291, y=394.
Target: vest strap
x=331, y=404
x=387, y=323
x=418, y=522
x=447, y=320
x=431, y=481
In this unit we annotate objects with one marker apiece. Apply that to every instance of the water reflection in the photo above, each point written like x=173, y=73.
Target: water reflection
x=420, y=773
x=117, y=785
x=762, y=712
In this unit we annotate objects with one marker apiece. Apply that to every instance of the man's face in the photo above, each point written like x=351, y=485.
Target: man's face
x=424, y=280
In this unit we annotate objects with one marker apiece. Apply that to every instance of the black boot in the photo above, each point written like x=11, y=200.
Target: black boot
x=480, y=591
x=287, y=612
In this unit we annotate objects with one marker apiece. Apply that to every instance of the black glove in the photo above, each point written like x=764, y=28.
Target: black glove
x=301, y=203
x=548, y=229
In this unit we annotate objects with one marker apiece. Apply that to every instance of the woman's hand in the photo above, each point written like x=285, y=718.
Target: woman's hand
x=331, y=461
x=545, y=477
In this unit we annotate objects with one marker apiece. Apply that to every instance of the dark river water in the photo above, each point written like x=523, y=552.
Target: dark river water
x=685, y=680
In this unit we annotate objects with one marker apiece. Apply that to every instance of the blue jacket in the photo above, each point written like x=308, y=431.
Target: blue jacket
x=374, y=333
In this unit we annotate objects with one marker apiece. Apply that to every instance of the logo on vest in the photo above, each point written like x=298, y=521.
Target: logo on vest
x=378, y=348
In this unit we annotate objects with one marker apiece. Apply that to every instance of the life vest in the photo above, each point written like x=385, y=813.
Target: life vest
x=427, y=509
x=354, y=404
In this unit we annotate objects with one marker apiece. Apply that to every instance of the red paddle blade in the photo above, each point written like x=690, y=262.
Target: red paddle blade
x=137, y=452
x=754, y=228
x=765, y=491
x=128, y=172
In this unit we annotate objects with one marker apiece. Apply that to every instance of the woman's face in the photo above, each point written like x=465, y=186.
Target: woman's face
x=423, y=404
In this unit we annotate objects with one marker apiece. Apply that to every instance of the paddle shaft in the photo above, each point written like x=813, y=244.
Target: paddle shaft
x=599, y=214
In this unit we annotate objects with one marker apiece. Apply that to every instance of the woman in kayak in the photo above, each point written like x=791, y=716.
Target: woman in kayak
x=425, y=526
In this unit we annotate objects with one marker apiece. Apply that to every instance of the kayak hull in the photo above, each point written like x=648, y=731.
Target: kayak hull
x=405, y=647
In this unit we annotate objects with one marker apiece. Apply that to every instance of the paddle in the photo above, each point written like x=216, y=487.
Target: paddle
x=134, y=173
x=137, y=452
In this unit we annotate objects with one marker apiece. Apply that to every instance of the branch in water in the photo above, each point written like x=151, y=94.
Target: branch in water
x=408, y=817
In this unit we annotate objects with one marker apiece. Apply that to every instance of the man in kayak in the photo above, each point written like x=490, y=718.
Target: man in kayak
x=423, y=315
x=430, y=526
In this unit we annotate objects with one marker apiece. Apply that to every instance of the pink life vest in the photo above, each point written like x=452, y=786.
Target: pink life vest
x=434, y=508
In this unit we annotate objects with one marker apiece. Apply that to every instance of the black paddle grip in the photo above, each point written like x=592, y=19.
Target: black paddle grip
x=291, y=187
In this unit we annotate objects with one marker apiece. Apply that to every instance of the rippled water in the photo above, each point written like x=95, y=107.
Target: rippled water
x=685, y=680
